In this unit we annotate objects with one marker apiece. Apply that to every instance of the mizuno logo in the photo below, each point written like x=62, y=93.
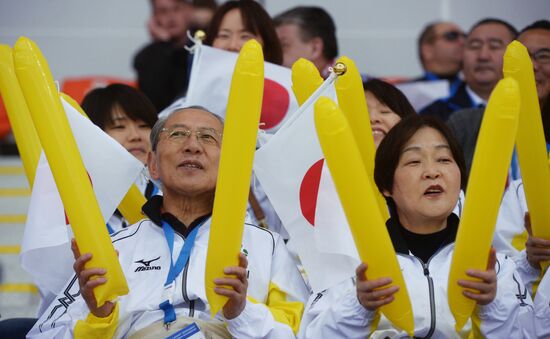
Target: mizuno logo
x=146, y=265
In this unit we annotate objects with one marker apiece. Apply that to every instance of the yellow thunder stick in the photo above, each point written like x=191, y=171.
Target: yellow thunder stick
x=359, y=202
x=352, y=101
x=305, y=80
x=493, y=153
x=67, y=168
x=530, y=142
x=130, y=205
x=235, y=170
x=21, y=123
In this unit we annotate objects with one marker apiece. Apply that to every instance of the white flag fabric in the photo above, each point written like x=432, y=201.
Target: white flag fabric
x=296, y=179
x=290, y=169
x=211, y=79
x=45, y=250
x=423, y=93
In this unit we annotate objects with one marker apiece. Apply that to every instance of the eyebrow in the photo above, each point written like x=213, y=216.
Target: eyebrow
x=417, y=148
x=119, y=117
x=185, y=126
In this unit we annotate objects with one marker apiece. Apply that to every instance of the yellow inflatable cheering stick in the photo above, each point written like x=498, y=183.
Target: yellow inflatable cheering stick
x=305, y=79
x=358, y=200
x=67, y=168
x=492, y=156
x=235, y=170
x=352, y=101
x=130, y=205
x=21, y=123
x=530, y=143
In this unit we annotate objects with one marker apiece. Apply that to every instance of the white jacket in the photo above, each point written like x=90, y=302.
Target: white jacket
x=542, y=308
x=336, y=313
x=510, y=231
x=144, y=257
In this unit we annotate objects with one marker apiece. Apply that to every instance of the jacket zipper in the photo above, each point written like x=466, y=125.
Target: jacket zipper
x=425, y=267
x=432, y=298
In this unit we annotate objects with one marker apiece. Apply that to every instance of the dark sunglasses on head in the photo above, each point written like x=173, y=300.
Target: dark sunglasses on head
x=452, y=35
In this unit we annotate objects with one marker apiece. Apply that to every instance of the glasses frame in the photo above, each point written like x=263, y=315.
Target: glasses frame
x=187, y=132
x=452, y=36
x=537, y=56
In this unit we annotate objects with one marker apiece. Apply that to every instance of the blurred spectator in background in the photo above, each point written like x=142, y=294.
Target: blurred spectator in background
x=483, y=52
x=309, y=33
x=203, y=11
x=235, y=22
x=162, y=66
x=440, y=50
x=465, y=123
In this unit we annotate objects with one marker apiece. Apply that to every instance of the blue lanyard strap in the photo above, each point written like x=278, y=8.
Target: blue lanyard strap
x=175, y=270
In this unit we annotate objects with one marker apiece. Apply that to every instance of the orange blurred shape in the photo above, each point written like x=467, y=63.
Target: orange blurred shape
x=77, y=88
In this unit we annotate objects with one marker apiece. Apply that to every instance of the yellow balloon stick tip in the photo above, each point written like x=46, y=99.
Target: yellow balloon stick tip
x=515, y=58
x=530, y=141
x=485, y=188
x=352, y=101
x=67, y=167
x=359, y=202
x=305, y=79
x=20, y=119
x=235, y=168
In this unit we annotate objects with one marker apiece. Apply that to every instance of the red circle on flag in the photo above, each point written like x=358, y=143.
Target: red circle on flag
x=274, y=105
x=309, y=190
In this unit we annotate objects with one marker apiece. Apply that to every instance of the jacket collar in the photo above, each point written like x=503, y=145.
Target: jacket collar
x=393, y=225
x=153, y=210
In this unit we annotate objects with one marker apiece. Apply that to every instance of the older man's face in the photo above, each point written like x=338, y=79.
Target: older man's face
x=483, y=53
x=187, y=165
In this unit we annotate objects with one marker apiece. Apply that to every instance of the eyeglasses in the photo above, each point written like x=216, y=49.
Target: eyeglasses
x=205, y=136
x=452, y=36
x=542, y=56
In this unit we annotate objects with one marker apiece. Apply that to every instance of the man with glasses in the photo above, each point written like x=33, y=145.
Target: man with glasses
x=536, y=37
x=440, y=47
x=266, y=291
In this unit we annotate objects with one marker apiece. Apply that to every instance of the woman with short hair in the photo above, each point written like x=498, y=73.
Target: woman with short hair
x=420, y=170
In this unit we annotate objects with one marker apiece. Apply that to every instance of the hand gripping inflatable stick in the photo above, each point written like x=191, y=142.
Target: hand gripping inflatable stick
x=359, y=202
x=67, y=168
x=493, y=153
x=235, y=170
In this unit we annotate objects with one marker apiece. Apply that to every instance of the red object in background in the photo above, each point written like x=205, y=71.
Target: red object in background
x=4, y=122
x=77, y=88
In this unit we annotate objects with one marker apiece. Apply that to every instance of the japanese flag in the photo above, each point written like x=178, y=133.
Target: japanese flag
x=45, y=250
x=292, y=171
x=211, y=79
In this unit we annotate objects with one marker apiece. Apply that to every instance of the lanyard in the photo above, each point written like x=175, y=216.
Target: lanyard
x=175, y=270
x=110, y=229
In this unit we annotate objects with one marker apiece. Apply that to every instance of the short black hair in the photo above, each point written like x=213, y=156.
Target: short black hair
x=390, y=149
x=313, y=22
x=539, y=24
x=513, y=31
x=390, y=96
x=100, y=103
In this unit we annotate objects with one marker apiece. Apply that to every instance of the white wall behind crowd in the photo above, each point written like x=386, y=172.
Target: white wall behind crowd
x=100, y=37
